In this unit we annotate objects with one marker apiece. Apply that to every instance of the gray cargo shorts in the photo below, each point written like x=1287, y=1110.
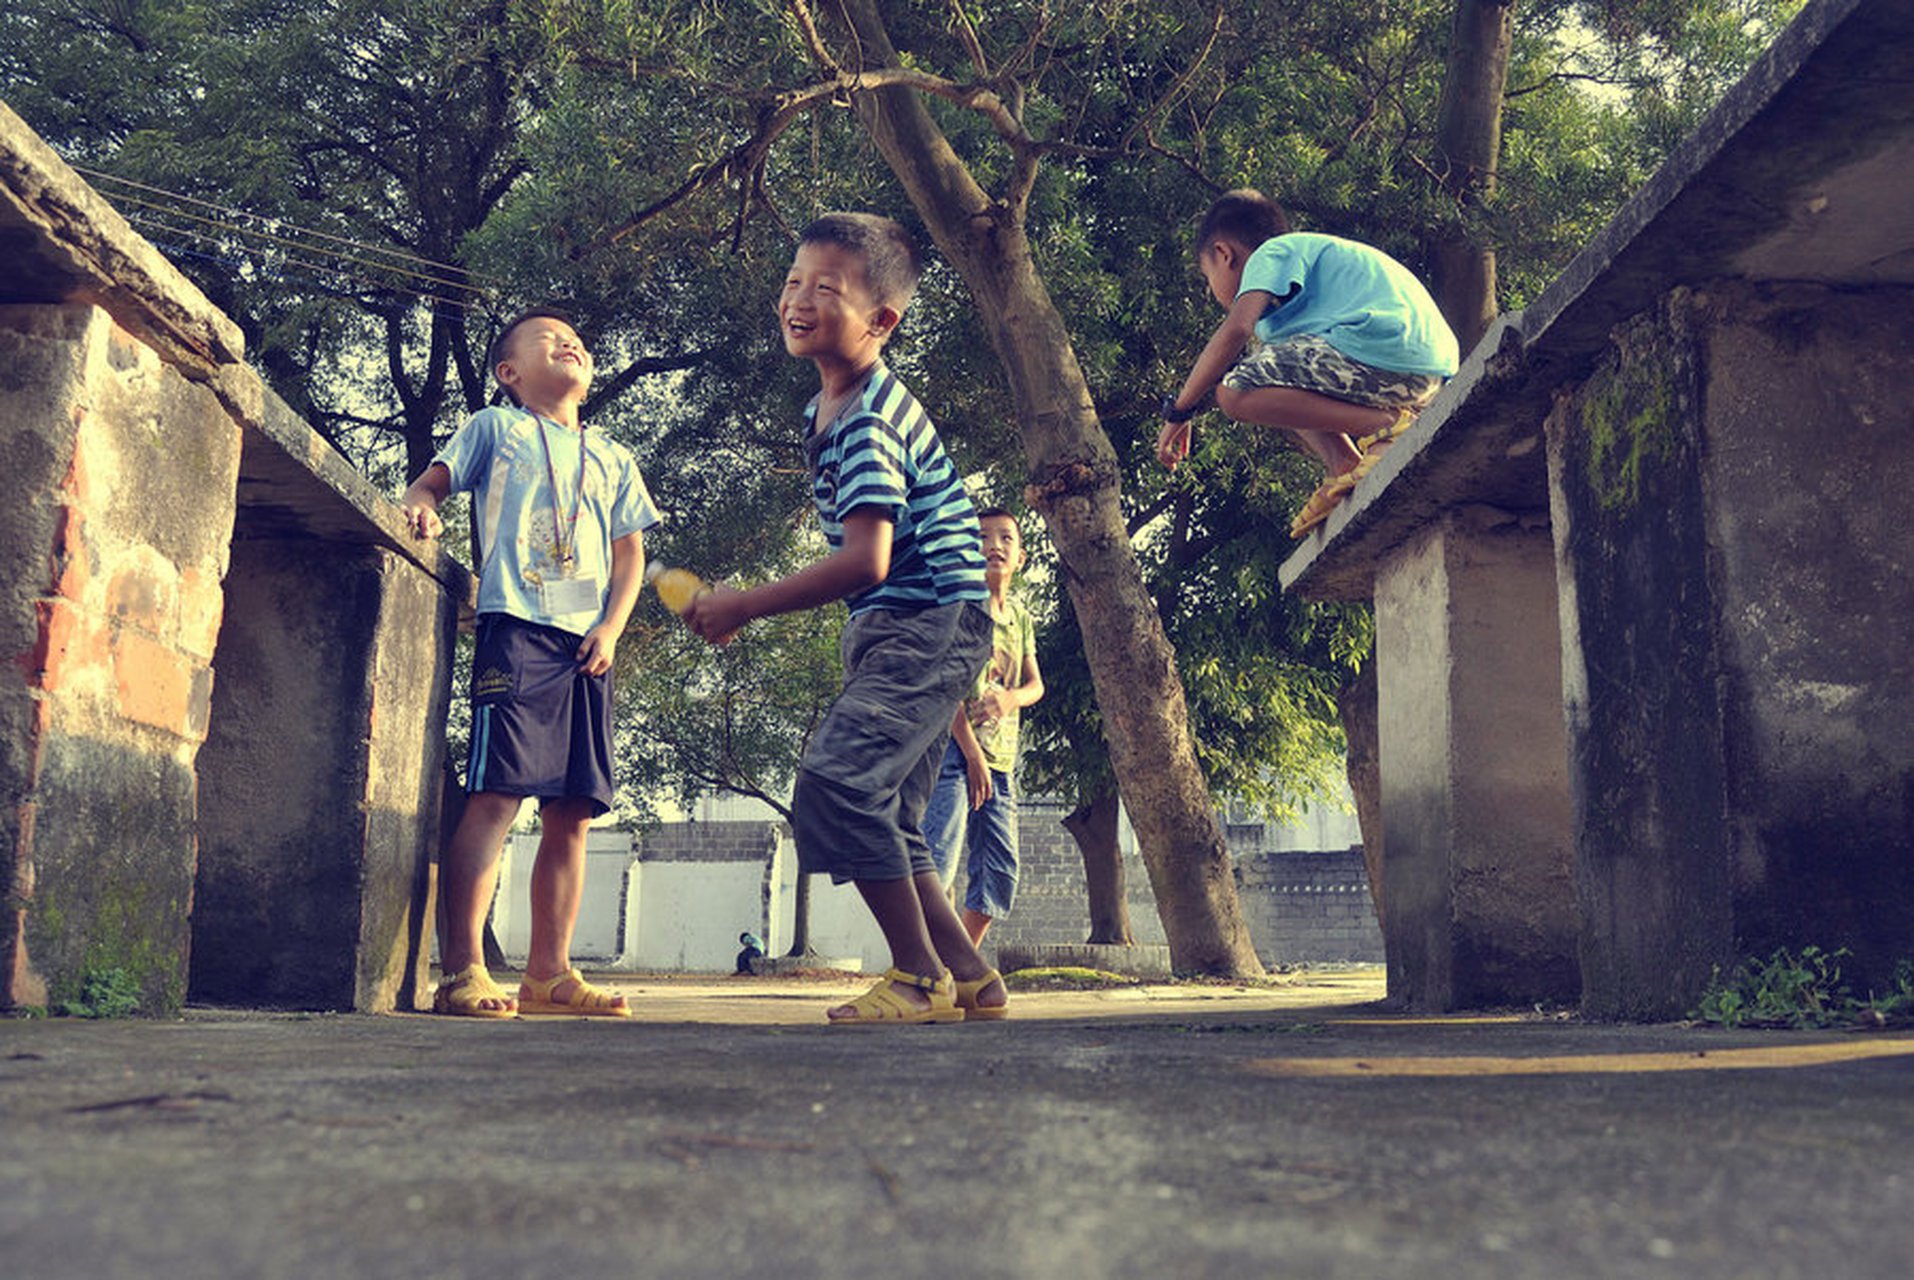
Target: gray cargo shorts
x=867, y=772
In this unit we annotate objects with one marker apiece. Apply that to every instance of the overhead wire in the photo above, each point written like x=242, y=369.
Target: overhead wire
x=318, y=281
x=290, y=243
x=381, y=250
x=368, y=266
x=259, y=262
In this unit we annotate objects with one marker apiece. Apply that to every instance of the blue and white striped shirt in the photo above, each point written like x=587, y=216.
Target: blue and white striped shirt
x=882, y=452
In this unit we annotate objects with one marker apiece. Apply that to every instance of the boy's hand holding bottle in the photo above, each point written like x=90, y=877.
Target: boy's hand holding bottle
x=710, y=612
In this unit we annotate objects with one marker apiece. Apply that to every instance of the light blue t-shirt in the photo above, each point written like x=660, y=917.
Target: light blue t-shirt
x=498, y=455
x=1355, y=297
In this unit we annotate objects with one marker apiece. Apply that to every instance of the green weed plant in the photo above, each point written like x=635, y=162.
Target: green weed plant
x=104, y=993
x=1801, y=989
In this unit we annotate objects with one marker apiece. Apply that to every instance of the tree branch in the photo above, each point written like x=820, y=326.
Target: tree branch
x=643, y=367
x=1147, y=120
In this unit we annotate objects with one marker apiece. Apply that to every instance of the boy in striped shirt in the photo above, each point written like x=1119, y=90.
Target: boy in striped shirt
x=907, y=558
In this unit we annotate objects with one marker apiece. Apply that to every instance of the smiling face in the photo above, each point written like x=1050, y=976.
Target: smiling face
x=826, y=311
x=545, y=362
x=1003, y=548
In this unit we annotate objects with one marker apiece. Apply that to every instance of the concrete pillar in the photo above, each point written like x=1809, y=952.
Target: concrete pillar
x=1479, y=904
x=1734, y=543
x=1807, y=440
x=1641, y=676
x=321, y=778
x=121, y=477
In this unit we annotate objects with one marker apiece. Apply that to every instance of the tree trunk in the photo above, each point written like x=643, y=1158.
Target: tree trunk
x=1361, y=730
x=1468, y=146
x=801, y=919
x=1074, y=485
x=1093, y=825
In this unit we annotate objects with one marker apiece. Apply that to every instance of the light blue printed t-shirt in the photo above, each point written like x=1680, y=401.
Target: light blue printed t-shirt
x=881, y=451
x=1356, y=298
x=499, y=457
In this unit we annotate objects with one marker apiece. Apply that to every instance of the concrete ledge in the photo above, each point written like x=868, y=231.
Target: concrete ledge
x=1144, y=960
x=63, y=242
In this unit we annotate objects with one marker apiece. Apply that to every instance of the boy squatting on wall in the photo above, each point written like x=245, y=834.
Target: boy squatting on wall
x=1351, y=345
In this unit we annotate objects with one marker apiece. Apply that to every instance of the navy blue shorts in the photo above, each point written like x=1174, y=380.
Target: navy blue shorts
x=540, y=726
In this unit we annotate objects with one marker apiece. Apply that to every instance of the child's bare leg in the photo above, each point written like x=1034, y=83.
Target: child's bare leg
x=899, y=909
x=976, y=924
x=955, y=942
x=468, y=875
x=558, y=886
x=1325, y=426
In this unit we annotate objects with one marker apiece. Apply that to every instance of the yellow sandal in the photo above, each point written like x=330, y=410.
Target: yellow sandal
x=535, y=999
x=881, y=1004
x=1328, y=496
x=1405, y=418
x=458, y=995
x=967, y=993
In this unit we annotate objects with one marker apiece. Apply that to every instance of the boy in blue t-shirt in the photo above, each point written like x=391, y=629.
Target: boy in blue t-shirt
x=906, y=557
x=1352, y=347
x=560, y=513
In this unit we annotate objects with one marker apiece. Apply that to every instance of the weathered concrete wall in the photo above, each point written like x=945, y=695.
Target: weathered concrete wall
x=1299, y=899
x=1477, y=849
x=1307, y=907
x=1736, y=586
x=607, y=915
x=1641, y=674
x=133, y=431
x=114, y=543
x=1808, y=438
x=313, y=856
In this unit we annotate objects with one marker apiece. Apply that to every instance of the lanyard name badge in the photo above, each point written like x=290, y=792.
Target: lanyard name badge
x=567, y=593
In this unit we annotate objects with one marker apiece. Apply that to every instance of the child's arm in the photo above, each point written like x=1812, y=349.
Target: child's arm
x=1224, y=349
x=977, y=773
x=860, y=564
x=996, y=703
x=600, y=645
x=420, y=503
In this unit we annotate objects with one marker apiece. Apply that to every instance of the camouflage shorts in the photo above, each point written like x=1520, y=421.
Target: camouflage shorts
x=1309, y=363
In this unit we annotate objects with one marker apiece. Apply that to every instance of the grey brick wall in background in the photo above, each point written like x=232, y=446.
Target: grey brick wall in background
x=1301, y=907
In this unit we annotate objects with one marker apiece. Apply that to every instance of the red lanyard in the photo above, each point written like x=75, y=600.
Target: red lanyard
x=560, y=524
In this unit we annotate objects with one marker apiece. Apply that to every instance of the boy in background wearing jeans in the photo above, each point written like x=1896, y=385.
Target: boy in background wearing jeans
x=974, y=803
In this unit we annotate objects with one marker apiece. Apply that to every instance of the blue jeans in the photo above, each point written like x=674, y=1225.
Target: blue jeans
x=989, y=834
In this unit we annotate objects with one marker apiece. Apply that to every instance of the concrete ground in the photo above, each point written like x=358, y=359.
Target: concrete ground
x=1186, y=1131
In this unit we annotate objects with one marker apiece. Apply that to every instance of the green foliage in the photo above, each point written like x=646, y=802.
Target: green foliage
x=1800, y=989
x=519, y=140
x=1067, y=978
x=1897, y=1004
x=104, y=993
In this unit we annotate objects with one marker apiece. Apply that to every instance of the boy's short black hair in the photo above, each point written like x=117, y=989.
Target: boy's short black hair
x=1244, y=217
x=502, y=343
x=992, y=513
x=892, y=263
x=496, y=352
